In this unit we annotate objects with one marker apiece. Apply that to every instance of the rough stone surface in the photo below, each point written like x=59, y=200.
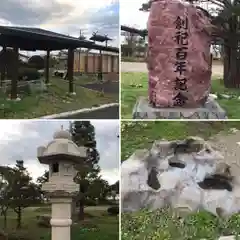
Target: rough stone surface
x=199, y=179
x=211, y=110
x=163, y=45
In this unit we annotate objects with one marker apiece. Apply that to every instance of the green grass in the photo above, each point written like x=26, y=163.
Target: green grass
x=55, y=100
x=164, y=225
x=139, y=135
x=86, y=78
x=130, y=93
x=230, y=105
x=96, y=226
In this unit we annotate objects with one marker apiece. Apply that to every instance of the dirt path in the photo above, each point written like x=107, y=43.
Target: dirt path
x=228, y=145
x=217, y=69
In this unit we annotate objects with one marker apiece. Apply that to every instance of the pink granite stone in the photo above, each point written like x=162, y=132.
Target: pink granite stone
x=162, y=49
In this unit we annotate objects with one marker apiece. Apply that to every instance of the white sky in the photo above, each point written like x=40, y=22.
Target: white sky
x=64, y=16
x=19, y=139
x=130, y=14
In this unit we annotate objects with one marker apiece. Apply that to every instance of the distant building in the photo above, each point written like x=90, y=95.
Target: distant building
x=89, y=61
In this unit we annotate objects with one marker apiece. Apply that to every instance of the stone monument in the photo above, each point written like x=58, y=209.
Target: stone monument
x=61, y=154
x=179, y=64
x=187, y=175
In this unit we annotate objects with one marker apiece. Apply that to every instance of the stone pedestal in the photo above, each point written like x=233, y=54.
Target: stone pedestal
x=211, y=110
x=61, y=218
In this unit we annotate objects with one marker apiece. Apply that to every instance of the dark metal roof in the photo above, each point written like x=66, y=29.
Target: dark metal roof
x=31, y=39
x=141, y=32
x=38, y=39
x=100, y=38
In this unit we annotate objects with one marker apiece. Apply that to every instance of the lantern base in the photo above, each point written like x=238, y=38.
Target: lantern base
x=211, y=110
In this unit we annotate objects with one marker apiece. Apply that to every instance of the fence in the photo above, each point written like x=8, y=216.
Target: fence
x=95, y=63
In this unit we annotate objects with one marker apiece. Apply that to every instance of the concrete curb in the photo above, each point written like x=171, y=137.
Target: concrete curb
x=231, y=237
x=84, y=110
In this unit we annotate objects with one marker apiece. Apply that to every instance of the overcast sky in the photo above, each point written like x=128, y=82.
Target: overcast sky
x=132, y=17
x=130, y=14
x=19, y=139
x=64, y=16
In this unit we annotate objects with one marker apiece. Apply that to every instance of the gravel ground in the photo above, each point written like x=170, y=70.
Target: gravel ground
x=228, y=145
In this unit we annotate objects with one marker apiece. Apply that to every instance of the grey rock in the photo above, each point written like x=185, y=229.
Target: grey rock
x=148, y=180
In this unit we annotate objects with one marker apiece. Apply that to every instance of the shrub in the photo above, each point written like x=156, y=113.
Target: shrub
x=28, y=74
x=36, y=61
x=44, y=221
x=113, y=210
x=90, y=202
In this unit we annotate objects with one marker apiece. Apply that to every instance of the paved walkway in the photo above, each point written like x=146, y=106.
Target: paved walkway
x=217, y=69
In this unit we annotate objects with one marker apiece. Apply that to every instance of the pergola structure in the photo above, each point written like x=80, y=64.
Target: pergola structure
x=32, y=39
x=143, y=33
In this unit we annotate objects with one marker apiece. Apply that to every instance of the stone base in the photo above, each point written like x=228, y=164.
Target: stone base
x=211, y=110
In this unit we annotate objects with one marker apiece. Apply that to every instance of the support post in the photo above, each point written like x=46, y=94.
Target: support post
x=47, y=67
x=100, y=66
x=107, y=56
x=79, y=62
x=94, y=63
x=86, y=62
x=14, y=81
x=3, y=68
x=70, y=69
x=112, y=62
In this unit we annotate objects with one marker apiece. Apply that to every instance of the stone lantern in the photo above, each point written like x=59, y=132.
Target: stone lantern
x=61, y=154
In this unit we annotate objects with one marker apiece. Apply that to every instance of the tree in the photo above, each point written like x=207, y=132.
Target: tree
x=5, y=186
x=98, y=189
x=22, y=191
x=52, y=61
x=44, y=178
x=114, y=188
x=224, y=17
x=83, y=134
x=129, y=47
x=36, y=61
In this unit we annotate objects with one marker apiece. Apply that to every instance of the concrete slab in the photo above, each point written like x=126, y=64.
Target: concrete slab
x=211, y=110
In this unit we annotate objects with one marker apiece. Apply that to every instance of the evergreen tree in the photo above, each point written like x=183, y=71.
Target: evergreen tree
x=22, y=191
x=83, y=134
